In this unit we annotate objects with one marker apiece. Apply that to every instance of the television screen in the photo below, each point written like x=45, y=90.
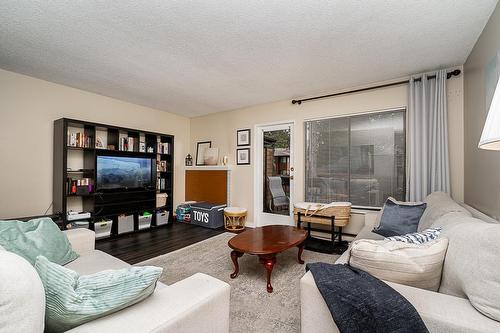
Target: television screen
x=115, y=172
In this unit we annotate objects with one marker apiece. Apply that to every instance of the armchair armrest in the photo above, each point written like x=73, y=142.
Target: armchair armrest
x=199, y=303
x=82, y=240
x=315, y=317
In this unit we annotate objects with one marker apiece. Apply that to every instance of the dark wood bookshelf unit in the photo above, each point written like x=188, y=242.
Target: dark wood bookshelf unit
x=77, y=145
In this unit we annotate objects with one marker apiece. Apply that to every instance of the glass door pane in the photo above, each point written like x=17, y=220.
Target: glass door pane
x=276, y=172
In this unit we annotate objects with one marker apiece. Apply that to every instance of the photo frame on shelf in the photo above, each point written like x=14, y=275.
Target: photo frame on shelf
x=243, y=137
x=200, y=151
x=243, y=156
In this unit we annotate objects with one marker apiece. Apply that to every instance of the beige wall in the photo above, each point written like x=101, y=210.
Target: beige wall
x=29, y=106
x=482, y=167
x=221, y=128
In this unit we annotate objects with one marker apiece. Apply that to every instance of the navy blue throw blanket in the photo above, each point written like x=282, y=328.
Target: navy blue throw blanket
x=360, y=302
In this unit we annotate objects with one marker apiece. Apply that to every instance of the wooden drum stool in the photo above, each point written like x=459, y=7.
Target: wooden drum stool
x=235, y=218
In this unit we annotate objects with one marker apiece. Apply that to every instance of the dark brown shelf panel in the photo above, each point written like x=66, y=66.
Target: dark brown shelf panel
x=81, y=195
x=115, y=150
x=81, y=171
x=80, y=148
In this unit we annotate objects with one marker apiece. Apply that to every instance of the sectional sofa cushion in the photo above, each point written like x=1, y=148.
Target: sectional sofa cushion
x=439, y=204
x=471, y=269
x=417, y=265
x=72, y=300
x=36, y=237
x=22, y=298
x=399, y=218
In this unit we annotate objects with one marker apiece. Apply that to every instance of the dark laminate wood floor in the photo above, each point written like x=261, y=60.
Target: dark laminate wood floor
x=143, y=245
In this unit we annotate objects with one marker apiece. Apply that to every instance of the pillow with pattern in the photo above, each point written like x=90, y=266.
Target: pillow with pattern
x=418, y=237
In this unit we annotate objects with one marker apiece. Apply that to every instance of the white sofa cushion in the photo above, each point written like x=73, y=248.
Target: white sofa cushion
x=22, y=297
x=446, y=314
x=471, y=269
x=417, y=265
x=365, y=233
x=439, y=204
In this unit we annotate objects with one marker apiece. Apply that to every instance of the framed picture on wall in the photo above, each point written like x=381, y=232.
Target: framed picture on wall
x=200, y=151
x=243, y=137
x=243, y=156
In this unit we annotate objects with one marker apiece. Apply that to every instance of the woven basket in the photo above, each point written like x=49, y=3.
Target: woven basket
x=321, y=213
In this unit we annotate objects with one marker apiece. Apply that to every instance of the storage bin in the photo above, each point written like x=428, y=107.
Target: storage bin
x=161, y=200
x=207, y=215
x=102, y=228
x=183, y=213
x=162, y=217
x=79, y=224
x=125, y=223
x=145, y=221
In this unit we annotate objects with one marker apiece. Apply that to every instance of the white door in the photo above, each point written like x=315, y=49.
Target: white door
x=274, y=174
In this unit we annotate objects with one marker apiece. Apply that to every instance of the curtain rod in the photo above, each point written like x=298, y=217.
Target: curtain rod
x=455, y=72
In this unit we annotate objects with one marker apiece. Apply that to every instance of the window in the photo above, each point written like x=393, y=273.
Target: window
x=360, y=158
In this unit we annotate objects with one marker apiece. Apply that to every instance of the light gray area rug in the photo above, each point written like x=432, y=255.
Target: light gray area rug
x=253, y=309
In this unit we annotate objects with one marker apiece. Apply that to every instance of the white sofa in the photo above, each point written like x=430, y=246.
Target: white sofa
x=199, y=303
x=440, y=312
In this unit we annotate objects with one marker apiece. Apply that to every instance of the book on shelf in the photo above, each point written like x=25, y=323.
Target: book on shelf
x=163, y=148
x=79, y=186
x=126, y=144
x=162, y=184
x=80, y=140
x=130, y=144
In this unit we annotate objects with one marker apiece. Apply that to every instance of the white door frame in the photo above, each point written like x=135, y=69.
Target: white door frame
x=258, y=184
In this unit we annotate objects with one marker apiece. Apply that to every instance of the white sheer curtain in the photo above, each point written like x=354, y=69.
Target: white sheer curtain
x=428, y=160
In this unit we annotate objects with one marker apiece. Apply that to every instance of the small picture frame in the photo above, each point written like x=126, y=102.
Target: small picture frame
x=243, y=156
x=200, y=151
x=99, y=143
x=243, y=137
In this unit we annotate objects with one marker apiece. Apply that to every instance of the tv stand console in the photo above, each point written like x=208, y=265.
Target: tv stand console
x=77, y=144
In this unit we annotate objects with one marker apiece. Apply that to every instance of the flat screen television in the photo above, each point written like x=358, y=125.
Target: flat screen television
x=123, y=173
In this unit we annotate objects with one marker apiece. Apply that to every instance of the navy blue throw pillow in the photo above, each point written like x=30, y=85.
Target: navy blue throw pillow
x=399, y=218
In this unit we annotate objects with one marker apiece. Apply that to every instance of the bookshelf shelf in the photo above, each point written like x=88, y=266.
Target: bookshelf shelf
x=77, y=144
x=80, y=195
x=80, y=148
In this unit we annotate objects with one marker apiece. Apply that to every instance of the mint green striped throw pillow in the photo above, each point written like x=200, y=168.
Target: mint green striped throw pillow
x=72, y=300
x=36, y=237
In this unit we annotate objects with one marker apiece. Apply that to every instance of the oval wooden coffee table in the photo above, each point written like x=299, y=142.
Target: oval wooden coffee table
x=266, y=242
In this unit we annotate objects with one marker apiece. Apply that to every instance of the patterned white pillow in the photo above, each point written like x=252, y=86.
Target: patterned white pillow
x=418, y=237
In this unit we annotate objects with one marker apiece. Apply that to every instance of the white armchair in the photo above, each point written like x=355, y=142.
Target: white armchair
x=199, y=303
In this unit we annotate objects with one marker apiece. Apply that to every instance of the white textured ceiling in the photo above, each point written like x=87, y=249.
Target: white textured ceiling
x=203, y=56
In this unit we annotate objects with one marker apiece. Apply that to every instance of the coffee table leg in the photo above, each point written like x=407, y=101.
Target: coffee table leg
x=268, y=263
x=299, y=256
x=234, y=257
